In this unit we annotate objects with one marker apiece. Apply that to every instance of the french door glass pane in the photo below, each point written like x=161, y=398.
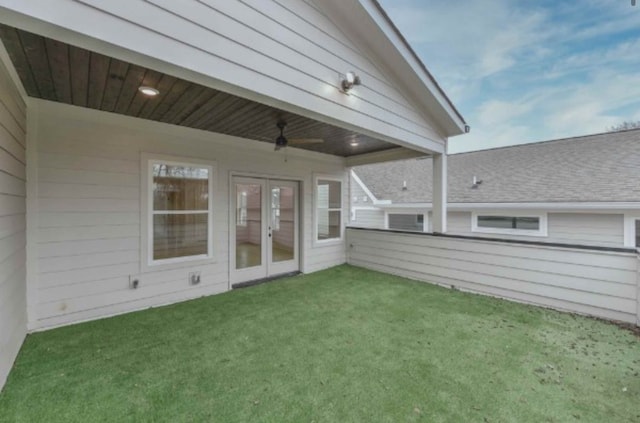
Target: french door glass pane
x=180, y=235
x=282, y=223
x=248, y=225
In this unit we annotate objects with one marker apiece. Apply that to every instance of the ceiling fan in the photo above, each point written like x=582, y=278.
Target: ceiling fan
x=282, y=141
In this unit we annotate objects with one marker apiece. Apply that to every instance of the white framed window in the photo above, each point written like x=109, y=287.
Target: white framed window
x=407, y=221
x=177, y=209
x=509, y=223
x=632, y=230
x=328, y=209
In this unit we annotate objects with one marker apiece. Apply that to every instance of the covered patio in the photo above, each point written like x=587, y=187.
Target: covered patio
x=154, y=152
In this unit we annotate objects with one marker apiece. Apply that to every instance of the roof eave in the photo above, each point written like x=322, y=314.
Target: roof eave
x=550, y=206
x=457, y=124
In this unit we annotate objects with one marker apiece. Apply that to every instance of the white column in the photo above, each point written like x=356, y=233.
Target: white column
x=440, y=193
x=638, y=289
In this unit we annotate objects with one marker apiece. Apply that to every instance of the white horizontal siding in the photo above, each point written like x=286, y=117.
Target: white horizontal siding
x=595, y=229
x=363, y=212
x=89, y=223
x=359, y=197
x=13, y=306
x=603, y=284
x=92, y=246
x=368, y=218
x=459, y=223
x=587, y=229
x=287, y=53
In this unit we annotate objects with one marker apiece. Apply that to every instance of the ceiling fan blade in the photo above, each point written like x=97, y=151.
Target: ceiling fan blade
x=300, y=141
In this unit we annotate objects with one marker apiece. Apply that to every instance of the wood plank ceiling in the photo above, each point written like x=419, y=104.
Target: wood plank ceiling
x=56, y=71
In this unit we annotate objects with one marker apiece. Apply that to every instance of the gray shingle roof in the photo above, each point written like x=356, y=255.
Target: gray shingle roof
x=594, y=168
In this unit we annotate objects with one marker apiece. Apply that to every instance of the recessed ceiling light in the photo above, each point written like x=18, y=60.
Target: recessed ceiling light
x=151, y=92
x=354, y=143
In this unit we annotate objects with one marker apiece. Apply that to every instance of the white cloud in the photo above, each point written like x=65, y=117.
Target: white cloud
x=493, y=112
x=490, y=137
x=469, y=41
x=594, y=105
x=581, y=107
x=623, y=54
x=528, y=71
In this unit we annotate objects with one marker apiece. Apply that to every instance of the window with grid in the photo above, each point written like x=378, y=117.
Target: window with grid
x=328, y=209
x=180, y=211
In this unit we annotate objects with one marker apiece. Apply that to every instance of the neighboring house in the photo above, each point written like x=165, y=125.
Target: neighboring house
x=137, y=160
x=582, y=190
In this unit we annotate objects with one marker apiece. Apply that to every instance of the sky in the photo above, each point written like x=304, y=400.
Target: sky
x=528, y=70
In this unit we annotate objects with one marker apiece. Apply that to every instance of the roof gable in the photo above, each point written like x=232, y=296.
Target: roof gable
x=375, y=35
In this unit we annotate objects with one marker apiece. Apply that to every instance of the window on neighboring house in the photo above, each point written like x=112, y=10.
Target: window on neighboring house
x=328, y=209
x=510, y=224
x=637, y=233
x=179, y=211
x=406, y=222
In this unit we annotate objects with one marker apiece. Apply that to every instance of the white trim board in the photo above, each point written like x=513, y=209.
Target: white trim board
x=630, y=229
x=591, y=207
x=33, y=211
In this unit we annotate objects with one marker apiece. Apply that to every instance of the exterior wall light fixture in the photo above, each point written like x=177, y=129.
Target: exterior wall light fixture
x=349, y=80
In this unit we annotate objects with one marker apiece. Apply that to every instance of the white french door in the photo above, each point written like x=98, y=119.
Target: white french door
x=264, y=228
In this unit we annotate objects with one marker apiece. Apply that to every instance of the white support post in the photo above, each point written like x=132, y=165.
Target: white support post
x=439, y=193
x=638, y=288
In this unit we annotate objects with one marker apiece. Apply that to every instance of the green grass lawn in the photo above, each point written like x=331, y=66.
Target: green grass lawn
x=340, y=345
